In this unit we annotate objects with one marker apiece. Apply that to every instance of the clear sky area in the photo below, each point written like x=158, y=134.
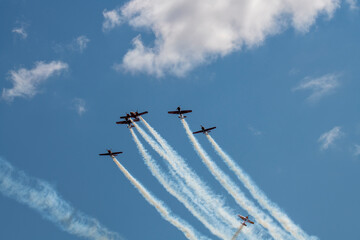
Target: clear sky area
x=279, y=79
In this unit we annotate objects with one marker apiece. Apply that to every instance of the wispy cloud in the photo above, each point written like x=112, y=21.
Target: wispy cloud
x=81, y=43
x=327, y=139
x=320, y=86
x=254, y=131
x=42, y=197
x=352, y=4
x=356, y=149
x=112, y=19
x=20, y=31
x=78, y=44
x=80, y=106
x=192, y=32
x=26, y=81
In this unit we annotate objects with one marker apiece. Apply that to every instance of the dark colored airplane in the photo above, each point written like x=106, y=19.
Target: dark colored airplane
x=133, y=115
x=245, y=219
x=110, y=153
x=128, y=122
x=180, y=112
x=204, y=130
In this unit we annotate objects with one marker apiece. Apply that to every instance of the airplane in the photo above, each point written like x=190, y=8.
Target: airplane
x=110, y=153
x=128, y=122
x=204, y=130
x=133, y=115
x=180, y=112
x=245, y=219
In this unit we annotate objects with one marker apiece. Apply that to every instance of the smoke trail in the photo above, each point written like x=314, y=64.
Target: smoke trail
x=178, y=191
x=234, y=191
x=42, y=197
x=191, y=179
x=178, y=165
x=259, y=195
x=180, y=224
x=237, y=232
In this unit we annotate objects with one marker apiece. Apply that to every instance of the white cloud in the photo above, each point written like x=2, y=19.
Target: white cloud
x=81, y=43
x=26, y=81
x=356, y=149
x=192, y=32
x=80, y=106
x=327, y=139
x=78, y=44
x=320, y=86
x=20, y=31
x=352, y=4
x=112, y=19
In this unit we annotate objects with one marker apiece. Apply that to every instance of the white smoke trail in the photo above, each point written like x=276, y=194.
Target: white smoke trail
x=191, y=179
x=164, y=211
x=259, y=195
x=42, y=197
x=178, y=165
x=237, y=232
x=179, y=192
x=234, y=191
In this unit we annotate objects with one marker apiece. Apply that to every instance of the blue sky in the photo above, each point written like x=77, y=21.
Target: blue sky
x=280, y=83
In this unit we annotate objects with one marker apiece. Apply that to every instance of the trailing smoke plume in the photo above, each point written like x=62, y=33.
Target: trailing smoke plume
x=262, y=218
x=41, y=196
x=237, y=232
x=179, y=165
x=164, y=211
x=259, y=195
x=181, y=193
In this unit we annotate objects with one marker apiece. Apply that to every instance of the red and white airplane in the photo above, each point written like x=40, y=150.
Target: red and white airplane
x=245, y=219
x=180, y=112
x=110, y=153
x=204, y=130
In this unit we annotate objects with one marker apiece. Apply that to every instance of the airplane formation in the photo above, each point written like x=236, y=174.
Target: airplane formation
x=134, y=117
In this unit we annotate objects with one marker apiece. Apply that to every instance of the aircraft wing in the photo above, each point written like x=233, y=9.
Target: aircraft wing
x=250, y=221
x=122, y=122
x=210, y=129
x=198, y=132
x=243, y=218
x=116, y=153
x=124, y=117
x=185, y=111
x=139, y=114
x=173, y=112
x=104, y=154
